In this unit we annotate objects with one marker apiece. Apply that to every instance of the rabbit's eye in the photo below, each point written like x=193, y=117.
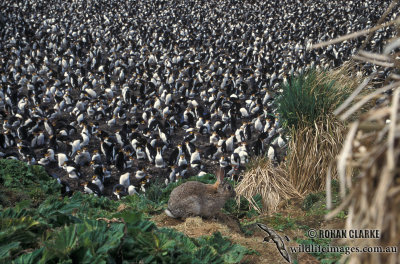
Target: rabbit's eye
x=229, y=187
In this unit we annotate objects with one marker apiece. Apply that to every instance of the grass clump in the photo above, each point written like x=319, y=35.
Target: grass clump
x=309, y=97
x=306, y=108
x=264, y=179
x=311, y=152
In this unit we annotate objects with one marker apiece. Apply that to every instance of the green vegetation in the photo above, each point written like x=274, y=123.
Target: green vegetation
x=281, y=223
x=90, y=229
x=244, y=209
x=308, y=98
x=87, y=229
x=20, y=182
x=315, y=203
x=306, y=108
x=312, y=199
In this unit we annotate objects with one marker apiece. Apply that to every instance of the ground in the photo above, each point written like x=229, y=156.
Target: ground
x=292, y=221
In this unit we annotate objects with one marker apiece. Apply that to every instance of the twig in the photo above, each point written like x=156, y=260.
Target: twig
x=346, y=150
x=353, y=35
x=375, y=56
x=367, y=98
x=391, y=46
x=374, y=61
x=353, y=95
x=381, y=19
x=328, y=188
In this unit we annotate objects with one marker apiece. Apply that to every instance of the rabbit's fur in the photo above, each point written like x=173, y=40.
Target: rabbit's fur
x=194, y=198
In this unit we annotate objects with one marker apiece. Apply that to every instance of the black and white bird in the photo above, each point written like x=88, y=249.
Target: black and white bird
x=91, y=188
x=159, y=161
x=125, y=80
x=119, y=191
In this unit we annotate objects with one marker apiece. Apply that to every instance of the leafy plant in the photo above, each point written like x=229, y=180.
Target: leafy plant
x=63, y=246
x=151, y=245
x=281, y=223
x=5, y=250
x=243, y=209
x=315, y=203
x=88, y=229
x=231, y=253
x=311, y=199
x=24, y=182
x=29, y=258
x=142, y=204
x=90, y=241
x=16, y=173
x=18, y=230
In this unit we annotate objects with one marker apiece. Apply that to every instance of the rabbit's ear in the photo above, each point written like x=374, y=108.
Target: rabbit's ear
x=220, y=177
x=220, y=174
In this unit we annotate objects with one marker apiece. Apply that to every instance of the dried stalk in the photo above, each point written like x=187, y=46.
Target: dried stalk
x=372, y=150
x=355, y=34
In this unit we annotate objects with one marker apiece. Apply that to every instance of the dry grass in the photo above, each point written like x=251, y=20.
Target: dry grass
x=311, y=152
x=270, y=182
x=313, y=146
x=371, y=151
x=372, y=148
x=344, y=77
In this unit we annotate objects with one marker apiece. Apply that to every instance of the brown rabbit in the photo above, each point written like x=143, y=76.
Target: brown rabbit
x=194, y=198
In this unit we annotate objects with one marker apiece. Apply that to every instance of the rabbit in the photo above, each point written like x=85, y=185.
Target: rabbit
x=194, y=198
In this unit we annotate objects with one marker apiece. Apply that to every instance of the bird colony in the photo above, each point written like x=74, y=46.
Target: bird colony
x=112, y=95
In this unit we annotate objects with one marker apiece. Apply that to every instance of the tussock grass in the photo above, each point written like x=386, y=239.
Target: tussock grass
x=345, y=78
x=270, y=182
x=311, y=96
x=373, y=199
x=311, y=151
x=368, y=165
x=316, y=136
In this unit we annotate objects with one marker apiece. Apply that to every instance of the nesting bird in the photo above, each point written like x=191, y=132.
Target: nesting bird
x=95, y=88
